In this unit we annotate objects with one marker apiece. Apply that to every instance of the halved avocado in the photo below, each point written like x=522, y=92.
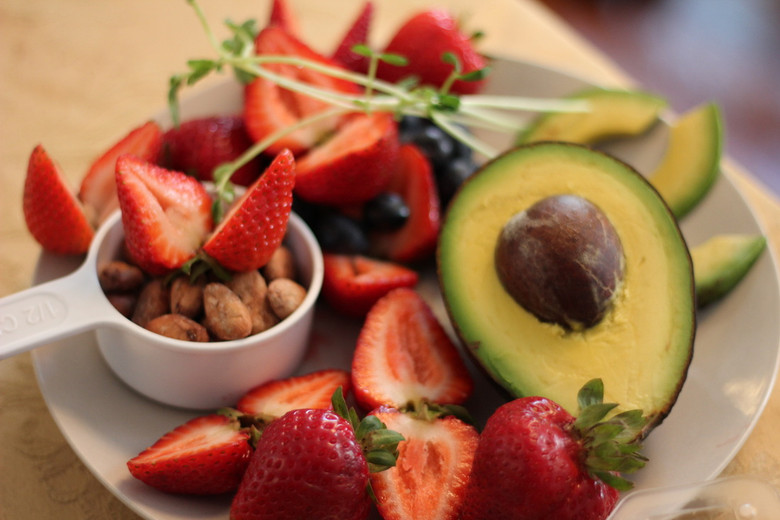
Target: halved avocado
x=611, y=113
x=691, y=163
x=721, y=262
x=642, y=345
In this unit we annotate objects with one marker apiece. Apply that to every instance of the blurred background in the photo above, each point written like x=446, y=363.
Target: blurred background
x=691, y=51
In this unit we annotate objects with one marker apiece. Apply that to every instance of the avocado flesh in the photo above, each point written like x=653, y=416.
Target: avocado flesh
x=691, y=163
x=720, y=263
x=611, y=113
x=642, y=347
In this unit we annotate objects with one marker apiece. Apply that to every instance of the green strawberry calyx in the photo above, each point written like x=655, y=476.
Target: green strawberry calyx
x=611, y=446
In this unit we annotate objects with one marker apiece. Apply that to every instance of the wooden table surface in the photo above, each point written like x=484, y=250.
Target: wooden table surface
x=76, y=75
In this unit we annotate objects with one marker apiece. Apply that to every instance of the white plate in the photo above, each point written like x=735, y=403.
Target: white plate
x=735, y=359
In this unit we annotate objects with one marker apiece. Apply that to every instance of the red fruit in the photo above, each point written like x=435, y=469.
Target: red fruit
x=313, y=390
x=352, y=284
x=257, y=222
x=403, y=355
x=205, y=456
x=356, y=34
x=422, y=40
x=53, y=214
x=282, y=15
x=532, y=455
x=307, y=464
x=166, y=214
x=433, y=466
x=198, y=146
x=269, y=108
x=415, y=182
x=354, y=165
x=98, y=187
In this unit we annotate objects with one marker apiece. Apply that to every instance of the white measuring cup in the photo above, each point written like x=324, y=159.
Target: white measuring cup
x=175, y=372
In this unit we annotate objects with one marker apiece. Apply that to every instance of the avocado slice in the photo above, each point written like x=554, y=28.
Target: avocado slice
x=721, y=262
x=691, y=163
x=642, y=346
x=612, y=113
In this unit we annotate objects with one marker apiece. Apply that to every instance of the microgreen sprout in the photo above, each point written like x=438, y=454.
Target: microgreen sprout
x=450, y=111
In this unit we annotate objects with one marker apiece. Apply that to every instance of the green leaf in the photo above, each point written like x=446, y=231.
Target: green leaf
x=451, y=59
x=339, y=404
x=591, y=393
x=380, y=460
x=362, y=49
x=616, y=481
x=476, y=75
x=592, y=414
x=393, y=59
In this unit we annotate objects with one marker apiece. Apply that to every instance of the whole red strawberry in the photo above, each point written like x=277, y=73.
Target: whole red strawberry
x=310, y=464
x=197, y=146
x=423, y=39
x=536, y=461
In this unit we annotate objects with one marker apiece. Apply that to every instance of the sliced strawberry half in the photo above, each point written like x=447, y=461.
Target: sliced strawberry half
x=98, y=187
x=204, y=456
x=166, y=214
x=255, y=225
x=196, y=147
x=352, y=284
x=432, y=469
x=414, y=181
x=403, y=355
x=53, y=214
x=356, y=34
x=354, y=165
x=282, y=15
x=312, y=390
x=269, y=108
x=422, y=40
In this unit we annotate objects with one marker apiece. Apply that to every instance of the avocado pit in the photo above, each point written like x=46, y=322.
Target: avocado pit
x=561, y=259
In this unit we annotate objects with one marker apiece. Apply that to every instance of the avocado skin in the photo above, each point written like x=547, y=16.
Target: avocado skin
x=459, y=308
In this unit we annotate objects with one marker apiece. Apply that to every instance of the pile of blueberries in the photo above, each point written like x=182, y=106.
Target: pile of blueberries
x=452, y=163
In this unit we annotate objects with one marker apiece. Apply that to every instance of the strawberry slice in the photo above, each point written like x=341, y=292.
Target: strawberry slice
x=403, y=355
x=352, y=284
x=354, y=165
x=53, y=214
x=98, y=187
x=166, y=214
x=414, y=181
x=269, y=108
x=204, y=456
x=282, y=15
x=422, y=40
x=312, y=390
x=256, y=223
x=432, y=469
x=355, y=35
x=199, y=145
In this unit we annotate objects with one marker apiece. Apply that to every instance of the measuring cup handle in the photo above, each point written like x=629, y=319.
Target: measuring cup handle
x=51, y=311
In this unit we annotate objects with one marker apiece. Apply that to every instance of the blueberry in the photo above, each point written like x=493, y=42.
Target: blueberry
x=434, y=143
x=385, y=212
x=338, y=233
x=449, y=179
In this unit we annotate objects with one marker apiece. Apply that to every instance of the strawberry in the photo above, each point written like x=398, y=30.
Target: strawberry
x=422, y=40
x=403, y=355
x=269, y=108
x=432, y=469
x=313, y=390
x=198, y=146
x=356, y=34
x=256, y=223
x=535, y=460
x=53, y=214
x=310, y=463
x=352, y=284
x=166, y=214
x=98, y=187
x=354, y=165
x=204, y=456
x=415, y=182
x=282, y=15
